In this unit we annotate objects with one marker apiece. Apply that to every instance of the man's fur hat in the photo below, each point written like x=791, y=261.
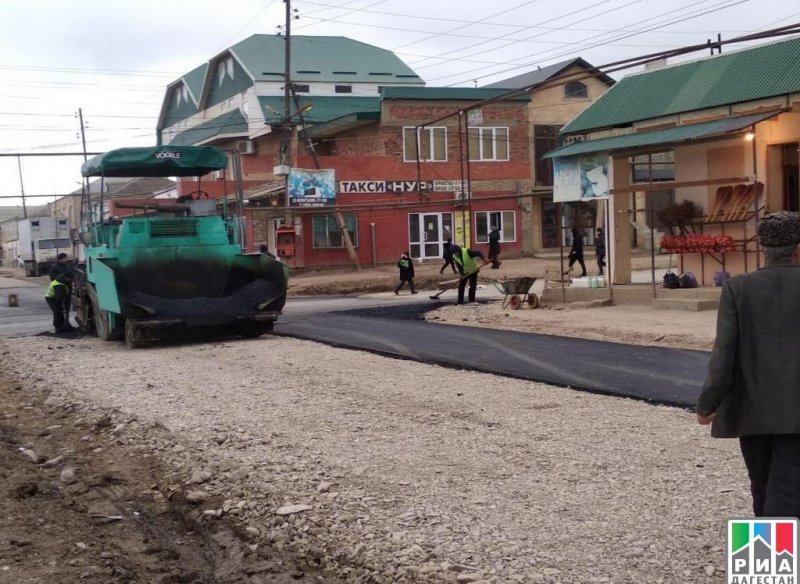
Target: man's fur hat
x=780, y=229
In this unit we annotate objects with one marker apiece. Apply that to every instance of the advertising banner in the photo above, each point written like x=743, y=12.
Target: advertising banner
x=312, y=188
x=576, y=179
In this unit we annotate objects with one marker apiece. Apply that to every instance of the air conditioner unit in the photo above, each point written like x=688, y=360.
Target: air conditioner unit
x=461, y=196
x=246, y=147
x=218, y=174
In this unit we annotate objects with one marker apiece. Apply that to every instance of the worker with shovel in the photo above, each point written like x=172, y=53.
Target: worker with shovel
x=468, y=267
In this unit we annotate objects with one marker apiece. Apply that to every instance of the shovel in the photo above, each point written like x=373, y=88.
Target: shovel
x=456, y=283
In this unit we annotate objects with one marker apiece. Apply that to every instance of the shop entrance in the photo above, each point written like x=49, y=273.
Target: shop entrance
x=790, y=173
x=427, y=233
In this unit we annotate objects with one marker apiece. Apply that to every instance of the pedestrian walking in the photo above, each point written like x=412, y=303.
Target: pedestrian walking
x=468, y=267
x=448, y=256
x=494, y=247
x=576, y=252
x=752, y=391
x=406, y=266
x=600, y=250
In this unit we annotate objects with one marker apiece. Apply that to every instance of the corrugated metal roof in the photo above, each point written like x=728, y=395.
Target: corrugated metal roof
x=348, y=122
x=232, y=123
x=748, y=75
x=447, y=93
x=323, y=108
x=543, y=74
x=662, y=137
x=322, y=58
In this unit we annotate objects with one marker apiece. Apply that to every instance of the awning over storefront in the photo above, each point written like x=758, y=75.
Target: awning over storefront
x=663, y=137
x=228, y=125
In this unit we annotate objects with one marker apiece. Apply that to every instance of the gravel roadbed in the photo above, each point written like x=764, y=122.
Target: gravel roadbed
x=405, y=472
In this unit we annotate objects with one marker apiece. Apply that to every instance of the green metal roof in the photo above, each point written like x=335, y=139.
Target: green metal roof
x=231, y=123
x=323, y=109
x=757, y=73
x=662, y=137
x=448, y=93
x=321, y=58
x=348, y=122
x=158, y=161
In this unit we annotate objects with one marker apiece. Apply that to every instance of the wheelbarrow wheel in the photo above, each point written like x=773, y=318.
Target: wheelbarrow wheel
x=515, y=302
x=533, y=301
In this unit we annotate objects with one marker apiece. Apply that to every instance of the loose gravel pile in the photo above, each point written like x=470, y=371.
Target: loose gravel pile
x=391, y=471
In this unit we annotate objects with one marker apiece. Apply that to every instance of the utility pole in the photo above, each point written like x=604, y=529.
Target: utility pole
x=287, y=97
x=86, y=203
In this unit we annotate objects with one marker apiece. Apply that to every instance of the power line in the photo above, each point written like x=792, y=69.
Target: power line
x=598, y=44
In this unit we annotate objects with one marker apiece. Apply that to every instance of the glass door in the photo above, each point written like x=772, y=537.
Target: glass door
x=427, y=233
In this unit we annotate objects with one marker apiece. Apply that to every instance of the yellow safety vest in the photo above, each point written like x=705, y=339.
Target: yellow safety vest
x=51, y=289
x=465, y=261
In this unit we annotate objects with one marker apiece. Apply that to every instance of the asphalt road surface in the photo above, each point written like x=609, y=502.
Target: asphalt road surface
x=655, y=374
x=394, y=327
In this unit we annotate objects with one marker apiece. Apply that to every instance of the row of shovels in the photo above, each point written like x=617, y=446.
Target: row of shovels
x=733, y=203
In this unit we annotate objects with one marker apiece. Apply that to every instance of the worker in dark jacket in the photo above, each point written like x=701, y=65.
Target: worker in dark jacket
x=55, y=296
x=468, y=267
x=494, y=247
x=406, y=266
x=448, y=256
x=752, y=391
x=63, y=265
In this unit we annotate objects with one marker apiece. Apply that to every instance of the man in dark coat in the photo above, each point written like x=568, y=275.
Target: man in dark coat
x=600, y=250
x=56, y=297
x=494, y=247
x=576, y=252
x=468, y=267
x=752, y=391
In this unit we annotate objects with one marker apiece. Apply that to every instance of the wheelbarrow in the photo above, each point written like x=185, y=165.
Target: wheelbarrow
x=517, y=291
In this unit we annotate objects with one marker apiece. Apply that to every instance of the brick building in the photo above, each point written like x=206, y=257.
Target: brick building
x=357, y=106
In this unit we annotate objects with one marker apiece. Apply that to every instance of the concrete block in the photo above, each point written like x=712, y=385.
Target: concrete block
x=690, y=304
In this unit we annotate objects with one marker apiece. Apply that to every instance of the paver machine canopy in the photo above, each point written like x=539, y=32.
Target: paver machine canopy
x=172, y=265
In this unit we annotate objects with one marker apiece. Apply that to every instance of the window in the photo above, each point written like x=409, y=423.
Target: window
x=488, y=143
x=432, y=144
x=545, y=139
x=301, y=88
x=655, y=167
x=505, y=221
x=343, y=88
x=225, y=68
x=327, y=233
x=575, y=89
x=54, y=244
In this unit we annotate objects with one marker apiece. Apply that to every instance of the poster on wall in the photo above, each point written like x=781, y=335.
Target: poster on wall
x=312, y=188
x=461, y=221
x=576, y=179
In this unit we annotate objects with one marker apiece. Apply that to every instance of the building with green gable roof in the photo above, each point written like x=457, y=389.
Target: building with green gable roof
x=722, y=133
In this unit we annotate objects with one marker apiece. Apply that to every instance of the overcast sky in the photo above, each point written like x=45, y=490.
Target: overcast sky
x=114, y=59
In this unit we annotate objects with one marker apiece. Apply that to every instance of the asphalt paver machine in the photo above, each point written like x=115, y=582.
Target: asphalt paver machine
x=174, y=266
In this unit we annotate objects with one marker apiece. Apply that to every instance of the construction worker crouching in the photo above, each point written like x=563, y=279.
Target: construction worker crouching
x=57, y=298
x=468, y=267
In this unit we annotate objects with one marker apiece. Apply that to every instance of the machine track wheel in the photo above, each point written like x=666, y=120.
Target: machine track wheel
x=533, y=301
x=101, y=325
x=515, y=302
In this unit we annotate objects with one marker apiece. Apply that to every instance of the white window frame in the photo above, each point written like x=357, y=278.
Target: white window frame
x=478, y=156
x=484, y=237
x=431, y=133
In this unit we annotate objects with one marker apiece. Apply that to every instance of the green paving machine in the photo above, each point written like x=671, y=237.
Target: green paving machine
x=174, y=266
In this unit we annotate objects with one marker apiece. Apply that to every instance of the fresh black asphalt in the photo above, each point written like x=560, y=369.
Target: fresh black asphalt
x=654, y=374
